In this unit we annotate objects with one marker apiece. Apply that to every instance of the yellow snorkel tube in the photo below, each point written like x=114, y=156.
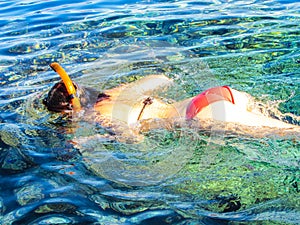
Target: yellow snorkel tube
x=69, y=85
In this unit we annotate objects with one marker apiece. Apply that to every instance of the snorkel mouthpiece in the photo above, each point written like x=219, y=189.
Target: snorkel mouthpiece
x=69, y=85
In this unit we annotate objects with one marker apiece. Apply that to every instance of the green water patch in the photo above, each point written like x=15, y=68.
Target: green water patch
x=252, y=47
x=244, y=174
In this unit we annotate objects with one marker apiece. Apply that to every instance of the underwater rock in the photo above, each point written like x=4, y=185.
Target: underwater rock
x=14, y=160
x=29, y=193
x=11, y=135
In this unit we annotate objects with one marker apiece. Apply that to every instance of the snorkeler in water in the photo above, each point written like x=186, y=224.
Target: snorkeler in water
x=135, y=102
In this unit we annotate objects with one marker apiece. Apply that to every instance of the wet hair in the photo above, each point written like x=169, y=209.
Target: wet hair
x=58, y=98
x=102, y=96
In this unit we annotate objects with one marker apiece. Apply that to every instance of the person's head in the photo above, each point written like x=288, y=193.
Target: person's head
x=67, y=95
x=59, y=100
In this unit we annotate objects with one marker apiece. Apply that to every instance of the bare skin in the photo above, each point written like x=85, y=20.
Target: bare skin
x=134, y=103
x=126, y=103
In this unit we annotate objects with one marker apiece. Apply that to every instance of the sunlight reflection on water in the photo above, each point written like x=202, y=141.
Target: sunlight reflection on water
x=251, y=45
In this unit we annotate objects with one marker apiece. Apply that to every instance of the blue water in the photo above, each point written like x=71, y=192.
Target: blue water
x=172, y=177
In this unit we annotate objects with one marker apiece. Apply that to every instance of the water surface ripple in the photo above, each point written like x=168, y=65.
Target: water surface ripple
x=180, y=177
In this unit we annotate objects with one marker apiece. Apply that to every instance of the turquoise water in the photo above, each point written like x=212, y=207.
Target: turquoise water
x=183, y=176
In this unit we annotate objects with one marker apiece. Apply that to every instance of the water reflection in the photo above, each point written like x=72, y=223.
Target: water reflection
x=45, y=179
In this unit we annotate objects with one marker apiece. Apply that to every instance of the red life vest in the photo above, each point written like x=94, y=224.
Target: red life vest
x=215, y=94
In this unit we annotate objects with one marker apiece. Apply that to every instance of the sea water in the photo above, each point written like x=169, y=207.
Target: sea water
x=178, y=176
